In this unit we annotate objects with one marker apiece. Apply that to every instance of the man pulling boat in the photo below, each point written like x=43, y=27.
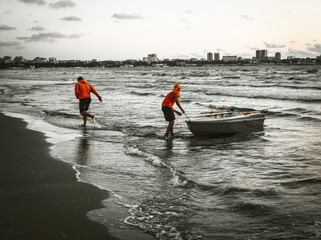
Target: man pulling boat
x=168, y=110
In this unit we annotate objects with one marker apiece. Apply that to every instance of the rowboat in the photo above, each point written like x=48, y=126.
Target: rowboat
x=218, y=123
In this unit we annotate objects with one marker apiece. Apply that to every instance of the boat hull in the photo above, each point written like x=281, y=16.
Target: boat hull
x=226, y=126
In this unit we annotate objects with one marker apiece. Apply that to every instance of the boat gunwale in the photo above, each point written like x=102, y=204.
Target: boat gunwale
x=238, y=118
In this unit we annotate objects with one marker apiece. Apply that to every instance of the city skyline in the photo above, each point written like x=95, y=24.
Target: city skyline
x=79, y=29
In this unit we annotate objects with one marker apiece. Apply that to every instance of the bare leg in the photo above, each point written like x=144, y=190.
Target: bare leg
x=169, y=128
x=85, y=114
x=85, y=120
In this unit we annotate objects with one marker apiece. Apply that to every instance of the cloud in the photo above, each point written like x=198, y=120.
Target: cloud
x=7, y=12
x=196, y=55
x=315, y=48
x=298, y=53
x=246, y=17
x=37, y=2
x=6, y=28
x=125, y=16
x=37, y=28
x=48, y=37
x=180, y=56
x=71, y=18
x=62, y=4
x=9, y=44
x=273, y=45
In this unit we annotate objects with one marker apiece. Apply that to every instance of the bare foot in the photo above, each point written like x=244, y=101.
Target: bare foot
x=94, y=119
x=166, y=137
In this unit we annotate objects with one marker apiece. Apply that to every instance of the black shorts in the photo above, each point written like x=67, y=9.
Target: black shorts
x=84, y=104
x=168, y=113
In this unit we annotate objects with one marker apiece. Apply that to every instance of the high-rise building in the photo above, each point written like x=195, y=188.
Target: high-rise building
x=216, y=56
x=258, y=54
x=210, y=57
x=263, y=55
x=277, y=56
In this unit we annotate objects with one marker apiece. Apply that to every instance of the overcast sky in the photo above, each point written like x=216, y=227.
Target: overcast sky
x=131, y=29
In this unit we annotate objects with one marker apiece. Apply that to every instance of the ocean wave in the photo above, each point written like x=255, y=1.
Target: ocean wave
x=232, y=77
x=56, y=113
x=161, y=219
x=141, y=93
x=154, y=160
x=303, y=98
x=192, y=74
x=252, y=209
x=3, y=90
x=177, y=178
x=293, y=184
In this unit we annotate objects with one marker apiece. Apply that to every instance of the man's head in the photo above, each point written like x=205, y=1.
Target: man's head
x=80, y=78
x=177, y=87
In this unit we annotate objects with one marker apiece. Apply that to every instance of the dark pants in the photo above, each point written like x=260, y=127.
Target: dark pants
x=168, y=113
x=84, y=104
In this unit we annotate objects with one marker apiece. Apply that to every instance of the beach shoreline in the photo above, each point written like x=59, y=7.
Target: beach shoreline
x=41, y=197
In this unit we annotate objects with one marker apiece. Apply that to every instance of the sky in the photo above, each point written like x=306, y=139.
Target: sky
x=132, y=29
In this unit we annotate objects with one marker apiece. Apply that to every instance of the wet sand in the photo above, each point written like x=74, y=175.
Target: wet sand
x=40, y=196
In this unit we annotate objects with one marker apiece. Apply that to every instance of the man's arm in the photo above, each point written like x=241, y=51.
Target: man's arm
x=77, y=90
x=93, y=90
x=179, y=104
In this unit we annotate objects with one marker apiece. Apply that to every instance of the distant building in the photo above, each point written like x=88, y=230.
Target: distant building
x=40, y=60
x=229, y=58
x=290, y=57
x=52, y=60
x=7, y=59
x=264, y=55
x=261, y=55
x=151, y=58
x=216, y=56
x=210, y=57
x=94, y=60
x=258, y=54
x=277, y=56
x=254, y=60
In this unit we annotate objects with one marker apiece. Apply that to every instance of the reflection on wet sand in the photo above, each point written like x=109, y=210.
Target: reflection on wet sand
x=83, y=150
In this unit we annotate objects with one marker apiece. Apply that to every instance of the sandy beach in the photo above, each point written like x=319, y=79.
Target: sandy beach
x=40, y=196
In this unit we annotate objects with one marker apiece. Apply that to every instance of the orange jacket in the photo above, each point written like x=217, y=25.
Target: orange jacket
x=83, y=89
x=169, y=100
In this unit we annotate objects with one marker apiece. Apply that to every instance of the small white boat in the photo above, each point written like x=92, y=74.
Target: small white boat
x=220, y=123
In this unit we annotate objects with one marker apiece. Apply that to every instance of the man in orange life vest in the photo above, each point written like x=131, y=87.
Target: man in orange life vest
x=168, y=110
x=82, y=92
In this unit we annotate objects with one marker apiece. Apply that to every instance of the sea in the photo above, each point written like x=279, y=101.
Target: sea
x=261, y=185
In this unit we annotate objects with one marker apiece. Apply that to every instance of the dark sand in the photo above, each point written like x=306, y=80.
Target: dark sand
x=40, y=196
